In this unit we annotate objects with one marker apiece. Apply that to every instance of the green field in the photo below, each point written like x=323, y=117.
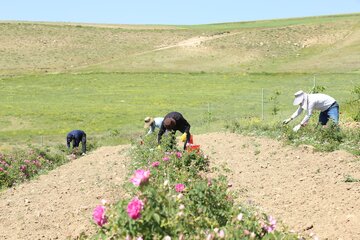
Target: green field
x=52, y=105
x=105, y=79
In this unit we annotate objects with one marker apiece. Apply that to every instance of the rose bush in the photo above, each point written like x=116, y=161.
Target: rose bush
x=21, y=165
x=178, y=202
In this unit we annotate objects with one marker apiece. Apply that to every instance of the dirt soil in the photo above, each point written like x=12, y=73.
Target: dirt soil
x=304, y=189
x=59, y=205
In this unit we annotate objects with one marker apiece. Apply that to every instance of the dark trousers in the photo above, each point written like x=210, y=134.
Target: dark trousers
x=83, y=143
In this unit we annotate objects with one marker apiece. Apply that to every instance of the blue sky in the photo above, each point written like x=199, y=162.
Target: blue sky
x=169, y=12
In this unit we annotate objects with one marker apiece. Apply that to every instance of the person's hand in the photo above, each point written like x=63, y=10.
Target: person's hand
x=297, y=127
x=183, y=137
x=286, y=121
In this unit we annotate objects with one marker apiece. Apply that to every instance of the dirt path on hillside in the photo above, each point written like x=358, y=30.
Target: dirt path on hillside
x=304, y=189
x=191, y=42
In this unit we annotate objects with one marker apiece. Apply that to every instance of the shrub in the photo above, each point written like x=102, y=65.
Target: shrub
x=22, y=165
x=327, y=138
x=172, y=199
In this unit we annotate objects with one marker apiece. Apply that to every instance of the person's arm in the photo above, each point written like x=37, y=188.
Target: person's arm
x=296, y=113
x=152, y=128
x=83, y=144
x=149, y=132
x=68, y=140
x=161, y=132
x=188, y=136
x=306, y=118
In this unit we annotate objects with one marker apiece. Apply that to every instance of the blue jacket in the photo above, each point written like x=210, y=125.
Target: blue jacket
x=77, y=136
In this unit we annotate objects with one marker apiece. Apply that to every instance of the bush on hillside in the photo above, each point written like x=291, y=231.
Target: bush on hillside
x=21, y=165
x=170, y=197
x=329, y=138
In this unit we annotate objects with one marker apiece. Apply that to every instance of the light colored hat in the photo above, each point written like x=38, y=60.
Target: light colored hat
x=148, y=121
x=299, y=97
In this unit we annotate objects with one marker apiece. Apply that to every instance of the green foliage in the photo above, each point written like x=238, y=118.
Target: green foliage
x=114, y=116
x=22, y=165
x=317, y=89
x=328, y=138
x=355, y=103
x=349, y=178
x=275, y=102
x=202, y=209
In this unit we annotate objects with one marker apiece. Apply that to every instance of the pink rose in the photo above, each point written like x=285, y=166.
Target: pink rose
x=155, y=164
x=179, y=187
x=165, y=159
x=272, y=224
x=99, y=215
x=140, y=176
x=178, y=154
x=134, y=208
x=221, y=234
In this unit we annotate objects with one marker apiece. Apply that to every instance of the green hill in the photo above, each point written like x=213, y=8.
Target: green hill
x=315, y=44
x=55, y=77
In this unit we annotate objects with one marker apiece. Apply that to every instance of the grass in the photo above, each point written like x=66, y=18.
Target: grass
x=104, y=79
x=45, y=107
x=349, y=178
x=326, y=139
x=317, y=44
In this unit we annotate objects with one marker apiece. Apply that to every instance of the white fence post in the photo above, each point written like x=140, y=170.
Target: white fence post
x=262, y=104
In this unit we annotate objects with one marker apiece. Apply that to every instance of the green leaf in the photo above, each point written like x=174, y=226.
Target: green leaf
x=156, y=217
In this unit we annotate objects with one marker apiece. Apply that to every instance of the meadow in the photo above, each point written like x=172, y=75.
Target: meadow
x=105, y=79
x=41, y=109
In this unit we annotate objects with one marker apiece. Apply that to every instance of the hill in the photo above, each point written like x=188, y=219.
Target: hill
x=105, y=79
x=315, y=44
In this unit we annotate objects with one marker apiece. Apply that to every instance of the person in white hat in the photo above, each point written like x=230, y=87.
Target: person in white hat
x=328, y=107
x=152, y=123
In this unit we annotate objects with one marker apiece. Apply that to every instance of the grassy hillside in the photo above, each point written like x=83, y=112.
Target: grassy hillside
x=105, y=79
x=319, y=44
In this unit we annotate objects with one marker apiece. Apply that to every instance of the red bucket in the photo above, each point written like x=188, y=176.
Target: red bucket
x=191, y=139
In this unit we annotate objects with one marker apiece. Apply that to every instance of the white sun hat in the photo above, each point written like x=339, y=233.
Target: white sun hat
x=299, y=97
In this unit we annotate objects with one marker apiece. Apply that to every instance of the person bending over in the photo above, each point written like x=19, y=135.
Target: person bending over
x=152, y=123
x=77, y=136
x=174, y=121
x=328, y=107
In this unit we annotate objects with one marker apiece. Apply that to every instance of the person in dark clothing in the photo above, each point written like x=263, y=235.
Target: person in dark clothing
x=173, y=122
x=77, y=136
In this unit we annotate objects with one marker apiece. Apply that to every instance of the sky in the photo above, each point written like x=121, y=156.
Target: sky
x=170, y=12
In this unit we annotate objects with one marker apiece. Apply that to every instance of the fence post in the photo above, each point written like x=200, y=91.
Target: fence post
x=209, y=115
x=262, y=104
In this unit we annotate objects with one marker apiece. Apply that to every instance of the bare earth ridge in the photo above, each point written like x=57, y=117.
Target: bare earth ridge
x=302, y=188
